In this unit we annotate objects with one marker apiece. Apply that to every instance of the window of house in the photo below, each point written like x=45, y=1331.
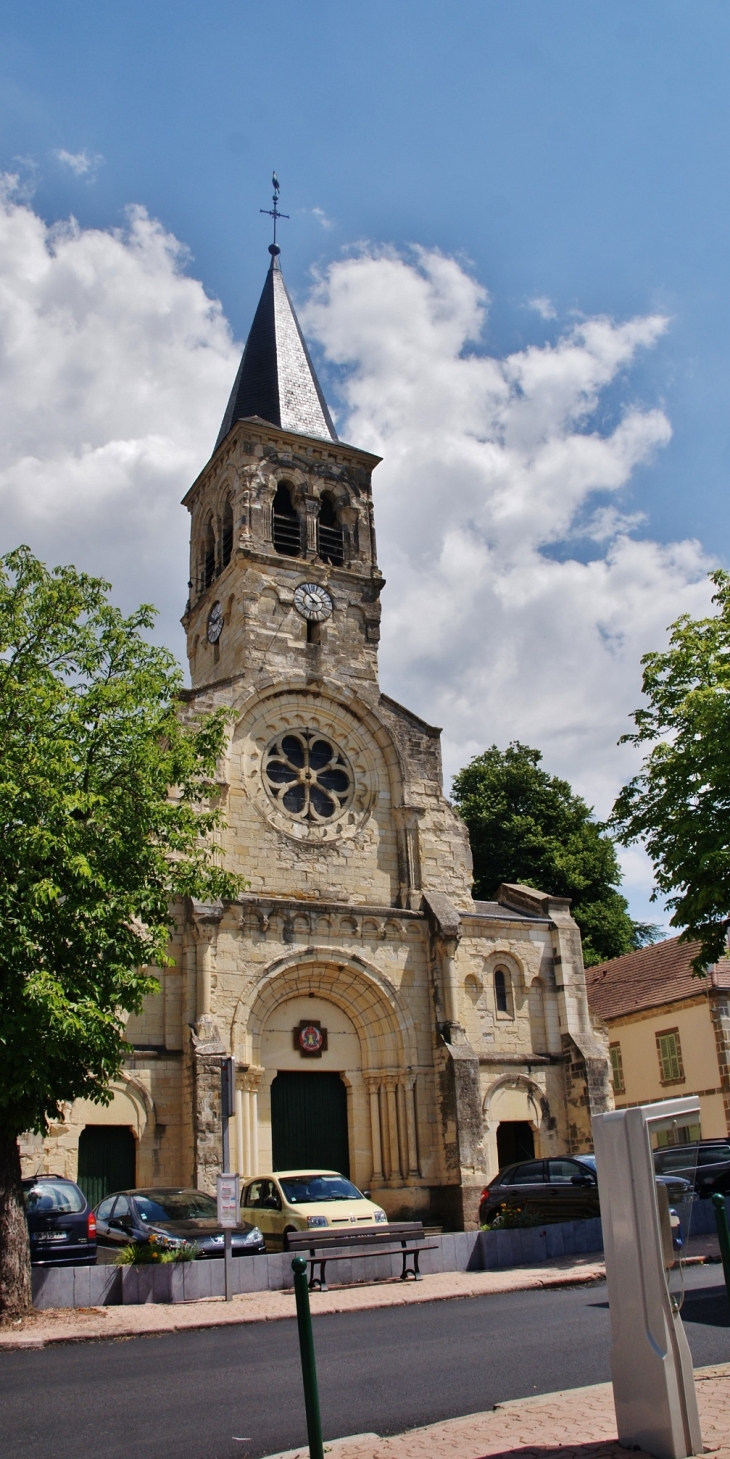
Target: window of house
x=669, y=1050
x=330, y=542
x=226, y=533
x=503, y=992
x=617, y=1069
x=286, y=527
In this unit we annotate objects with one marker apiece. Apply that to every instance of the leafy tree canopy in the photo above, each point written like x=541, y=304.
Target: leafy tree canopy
x=530, y=827
x=679, y=803
x=94, y=847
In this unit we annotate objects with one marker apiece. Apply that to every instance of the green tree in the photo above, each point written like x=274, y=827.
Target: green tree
x=94, y=848
x=679, y=803
x=530, y=827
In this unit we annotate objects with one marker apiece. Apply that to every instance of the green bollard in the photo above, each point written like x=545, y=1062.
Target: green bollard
x=723, y=1232
x=309, y=1365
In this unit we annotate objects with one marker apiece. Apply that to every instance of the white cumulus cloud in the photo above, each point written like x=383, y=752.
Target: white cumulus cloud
x=114, y=372
x=494, y=626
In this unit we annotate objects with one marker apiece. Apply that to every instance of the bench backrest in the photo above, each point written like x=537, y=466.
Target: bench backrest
x=319, y=1238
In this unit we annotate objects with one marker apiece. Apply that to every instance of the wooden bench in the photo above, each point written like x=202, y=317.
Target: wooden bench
x=398, y=1238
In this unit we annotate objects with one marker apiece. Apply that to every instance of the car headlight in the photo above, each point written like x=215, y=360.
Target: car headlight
x=317, y=1221
x=380, y=1216
x=163, y=1238
x=253, y=1237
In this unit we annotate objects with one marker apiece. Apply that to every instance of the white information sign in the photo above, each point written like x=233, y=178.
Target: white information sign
x=229, y=1200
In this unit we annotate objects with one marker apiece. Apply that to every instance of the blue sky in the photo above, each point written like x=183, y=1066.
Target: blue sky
x=566, y=152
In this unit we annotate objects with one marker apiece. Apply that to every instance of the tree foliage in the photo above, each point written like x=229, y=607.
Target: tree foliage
x=528, y=826
x=94, y=846
x=679, y=803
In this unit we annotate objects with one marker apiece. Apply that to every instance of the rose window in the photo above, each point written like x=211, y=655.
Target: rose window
x=307, y=776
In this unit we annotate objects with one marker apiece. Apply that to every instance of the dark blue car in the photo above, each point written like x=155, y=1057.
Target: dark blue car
x=61, y=1224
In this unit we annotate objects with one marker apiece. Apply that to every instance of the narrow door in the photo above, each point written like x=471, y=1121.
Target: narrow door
x=515, y=1141
x=309, y=1122
x=107, y=1161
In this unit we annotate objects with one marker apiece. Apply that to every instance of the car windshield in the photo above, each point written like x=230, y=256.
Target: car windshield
x=301, y=1190
x=176, y=1206
x=60, y=1197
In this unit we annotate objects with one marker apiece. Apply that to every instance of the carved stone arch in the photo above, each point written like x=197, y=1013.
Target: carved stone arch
x=137, y=1091
x=381, y=1017
x=295, y=480
x=521, y=977
x=522, y=1082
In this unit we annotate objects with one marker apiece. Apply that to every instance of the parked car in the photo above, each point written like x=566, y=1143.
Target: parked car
x=61, y=1225
x=562, y=1188
x=706, y=1163
x=302, y=1200
x=174, y=1218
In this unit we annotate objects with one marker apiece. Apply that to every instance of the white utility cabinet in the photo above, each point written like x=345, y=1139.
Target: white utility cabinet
x=651, y=1365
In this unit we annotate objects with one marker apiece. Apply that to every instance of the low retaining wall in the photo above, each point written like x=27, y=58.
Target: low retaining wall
x=534, y=1245
x=94, y=1286
x=99, y=1286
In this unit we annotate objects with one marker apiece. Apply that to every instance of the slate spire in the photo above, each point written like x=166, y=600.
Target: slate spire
x=276, y=379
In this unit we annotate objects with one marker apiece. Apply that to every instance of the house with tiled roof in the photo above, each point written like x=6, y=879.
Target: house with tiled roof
x=669, y=1031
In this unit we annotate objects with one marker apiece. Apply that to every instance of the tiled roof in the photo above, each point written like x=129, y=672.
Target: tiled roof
x=276, y=380
x=649, y=977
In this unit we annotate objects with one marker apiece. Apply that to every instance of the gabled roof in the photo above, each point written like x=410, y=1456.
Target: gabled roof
x=649, y=977
x=276, y=379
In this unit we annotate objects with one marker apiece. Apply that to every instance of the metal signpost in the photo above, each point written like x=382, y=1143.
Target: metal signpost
x=229, y=1186
x=645, y=1230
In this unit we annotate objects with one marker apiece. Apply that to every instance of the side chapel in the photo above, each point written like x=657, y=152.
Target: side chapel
x=383, y=1022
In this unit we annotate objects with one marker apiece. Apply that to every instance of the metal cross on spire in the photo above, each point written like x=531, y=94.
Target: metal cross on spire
x=274, y=213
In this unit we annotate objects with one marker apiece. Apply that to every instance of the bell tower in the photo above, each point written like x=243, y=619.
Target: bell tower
x=283, y=569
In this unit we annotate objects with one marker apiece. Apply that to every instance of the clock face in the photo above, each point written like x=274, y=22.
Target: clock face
x=313, y=602
x=215, y=623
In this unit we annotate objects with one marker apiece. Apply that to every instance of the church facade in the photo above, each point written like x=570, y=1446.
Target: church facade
x=382, y=1021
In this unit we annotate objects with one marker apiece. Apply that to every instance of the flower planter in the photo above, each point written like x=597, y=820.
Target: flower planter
x=534, y=1245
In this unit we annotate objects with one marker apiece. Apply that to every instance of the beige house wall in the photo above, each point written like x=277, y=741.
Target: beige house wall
x=636, y=1035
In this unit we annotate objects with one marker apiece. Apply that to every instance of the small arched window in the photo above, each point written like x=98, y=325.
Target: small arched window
x=226, y=533
x=287, y=532
x=208, y=554
x=502, y=991
x=330, y=543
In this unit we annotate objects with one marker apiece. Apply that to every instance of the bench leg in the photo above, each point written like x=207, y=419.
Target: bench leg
x=410, y=1272
x=317, y=1284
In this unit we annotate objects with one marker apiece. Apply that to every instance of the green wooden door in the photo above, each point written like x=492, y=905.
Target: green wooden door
x=107, y=1161
x=309, y=1122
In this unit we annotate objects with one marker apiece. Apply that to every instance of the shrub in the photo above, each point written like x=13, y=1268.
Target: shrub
x=151, y=1252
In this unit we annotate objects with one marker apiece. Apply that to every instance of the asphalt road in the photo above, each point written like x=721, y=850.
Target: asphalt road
x=236, y=1393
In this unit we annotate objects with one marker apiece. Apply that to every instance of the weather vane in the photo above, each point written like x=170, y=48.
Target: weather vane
x=274, y=212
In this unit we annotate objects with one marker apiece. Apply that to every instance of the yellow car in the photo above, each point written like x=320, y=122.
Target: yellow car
x=303, y=1200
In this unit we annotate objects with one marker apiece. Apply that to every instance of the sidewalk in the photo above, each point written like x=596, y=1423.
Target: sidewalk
x=579, y=1423
x=89, y=1324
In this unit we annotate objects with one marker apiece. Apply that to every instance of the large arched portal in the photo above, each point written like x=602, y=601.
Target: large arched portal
x=327, y=1049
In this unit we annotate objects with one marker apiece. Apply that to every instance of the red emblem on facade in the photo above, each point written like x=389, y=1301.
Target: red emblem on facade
x=310, y=1039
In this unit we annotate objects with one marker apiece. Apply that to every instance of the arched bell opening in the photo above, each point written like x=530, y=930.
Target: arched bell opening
x=286, y=527
x=226, y=533
x=208, y=555
x=330, y=536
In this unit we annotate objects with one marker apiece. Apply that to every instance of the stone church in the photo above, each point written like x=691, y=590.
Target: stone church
x=383, y=1022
